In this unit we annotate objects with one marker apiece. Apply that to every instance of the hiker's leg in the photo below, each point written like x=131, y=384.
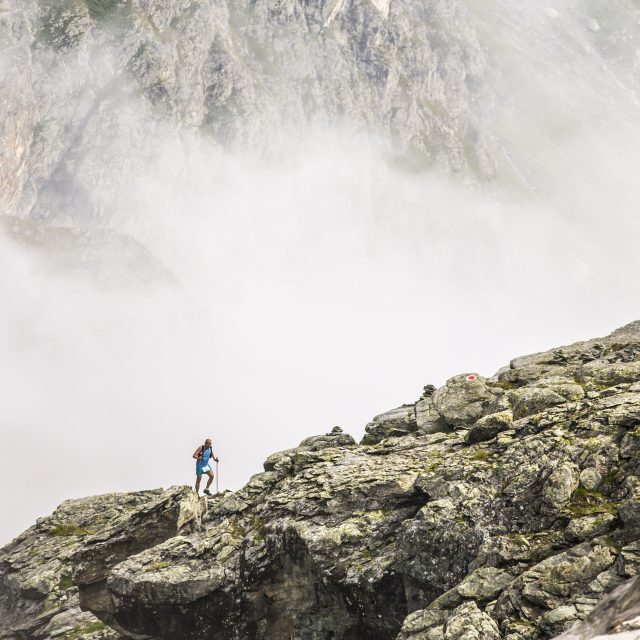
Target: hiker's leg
x=210, y=480
x=198, y=478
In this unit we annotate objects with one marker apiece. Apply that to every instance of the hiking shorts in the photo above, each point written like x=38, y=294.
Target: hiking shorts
x=202, y=468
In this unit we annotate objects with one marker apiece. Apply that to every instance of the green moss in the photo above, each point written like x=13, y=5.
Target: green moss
x=79, y=632
x=523, y=623
x=612, y=478
x=506, y=385
x=587, y=497
x=612, y=543
x=236, y=529
x=57, y=22
x=367, y=554
x=68, y=543
x=481, y=454
x=52, y=601
x=436, y=460
x=564, y=440
x=258, y=527
x=526, y=538
x=581, y=510
x=588, y=503
x=70, y=530
x=65, y=583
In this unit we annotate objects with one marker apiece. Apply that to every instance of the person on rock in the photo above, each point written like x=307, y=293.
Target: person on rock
x=203, y=456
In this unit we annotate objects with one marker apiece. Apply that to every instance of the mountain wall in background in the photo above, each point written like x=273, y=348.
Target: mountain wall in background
x=93, y=92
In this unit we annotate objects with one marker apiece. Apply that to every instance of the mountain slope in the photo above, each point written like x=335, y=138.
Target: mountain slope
x=97, y=91
x=494, y=508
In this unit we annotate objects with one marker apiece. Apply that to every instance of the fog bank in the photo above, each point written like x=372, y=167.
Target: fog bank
x=320, y=283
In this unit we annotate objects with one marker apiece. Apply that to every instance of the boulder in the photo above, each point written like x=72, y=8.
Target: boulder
x=490, y=426
x=39, y=574
x=560, y=485
x=530, y=400
x=428, y=419
x=395, y=423
x=463, y=400
x=468, y=622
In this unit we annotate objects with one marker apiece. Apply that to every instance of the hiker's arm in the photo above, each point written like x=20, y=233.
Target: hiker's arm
x=196, y=453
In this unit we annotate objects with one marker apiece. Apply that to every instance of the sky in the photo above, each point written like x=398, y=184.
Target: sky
x=319, y=288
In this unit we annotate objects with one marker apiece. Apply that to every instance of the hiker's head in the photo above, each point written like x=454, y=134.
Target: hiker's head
x=207, y=443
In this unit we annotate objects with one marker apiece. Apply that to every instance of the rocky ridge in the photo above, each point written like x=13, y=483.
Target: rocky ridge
x=38, y=595
x=501, y=508
x=103, y=257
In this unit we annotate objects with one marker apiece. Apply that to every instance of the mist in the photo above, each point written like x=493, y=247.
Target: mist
x=319, y=283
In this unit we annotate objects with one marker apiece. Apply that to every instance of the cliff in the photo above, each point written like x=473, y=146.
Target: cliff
x=97, y=91
x=501, y=508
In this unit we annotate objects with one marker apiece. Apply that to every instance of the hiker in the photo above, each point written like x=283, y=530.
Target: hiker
x=203, y=456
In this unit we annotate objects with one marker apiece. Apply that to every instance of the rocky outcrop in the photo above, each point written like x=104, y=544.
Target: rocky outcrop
x=44, y=571
x=507, y=511
x=617, y=617
x=103, y=257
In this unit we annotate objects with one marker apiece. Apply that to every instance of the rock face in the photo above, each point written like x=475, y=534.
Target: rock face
x=617, y=617
x=415, y=534
x=41, y=569
x=90, y=87
x=93, y=83
x=103, y=257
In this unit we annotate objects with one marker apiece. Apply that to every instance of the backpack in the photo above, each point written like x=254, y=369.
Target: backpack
x=201, y=454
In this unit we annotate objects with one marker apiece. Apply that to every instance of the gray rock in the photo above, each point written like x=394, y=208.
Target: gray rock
x=469, y=623
x=490, y=426
x=588, y=527
x=560, y=485
x=39, y=595
x=590, y=478
x=104, y=257
x=425, y=77
x=484, y=584
x=617, y=617
x=530, y=400
x=240, y=73
x=424, y=625
x=559, y=619
x=428, y=420
x=395, y=423
x=463, y=400
x=333, y=439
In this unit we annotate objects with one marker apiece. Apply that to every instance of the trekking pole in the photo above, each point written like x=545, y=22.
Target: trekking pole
x=216, y=476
